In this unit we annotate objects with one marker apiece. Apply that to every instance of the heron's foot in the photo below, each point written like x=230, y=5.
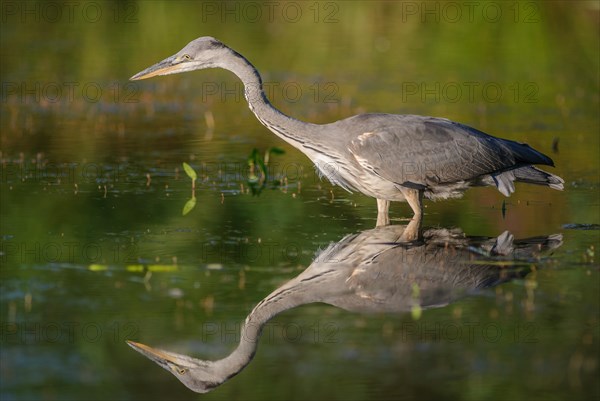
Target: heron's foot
x=412, y=232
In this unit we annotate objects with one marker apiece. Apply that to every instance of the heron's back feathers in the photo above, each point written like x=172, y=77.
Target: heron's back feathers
x=435, y=154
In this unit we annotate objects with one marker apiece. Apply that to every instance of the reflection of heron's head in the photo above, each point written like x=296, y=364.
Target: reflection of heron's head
x=199, y=376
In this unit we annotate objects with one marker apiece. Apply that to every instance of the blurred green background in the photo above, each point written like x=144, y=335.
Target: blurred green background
x=95, y=249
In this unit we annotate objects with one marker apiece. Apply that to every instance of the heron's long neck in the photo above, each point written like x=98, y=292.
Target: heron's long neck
x=289, y=129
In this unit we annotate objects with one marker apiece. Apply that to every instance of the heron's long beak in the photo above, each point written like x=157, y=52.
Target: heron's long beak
x=156, y=355
x=165, y=67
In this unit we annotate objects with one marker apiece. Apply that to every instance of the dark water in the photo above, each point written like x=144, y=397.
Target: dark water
x=96, y=250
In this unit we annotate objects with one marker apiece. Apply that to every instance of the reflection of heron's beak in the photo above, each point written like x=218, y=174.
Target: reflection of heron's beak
x=164, y=67
x=152, y=353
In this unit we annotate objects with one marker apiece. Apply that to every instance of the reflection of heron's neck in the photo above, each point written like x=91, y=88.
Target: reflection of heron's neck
x=288, y=296
x=285, y=127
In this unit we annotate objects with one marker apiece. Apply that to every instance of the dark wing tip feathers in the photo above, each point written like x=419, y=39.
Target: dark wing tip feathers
x=523, y=152
x=527, y=154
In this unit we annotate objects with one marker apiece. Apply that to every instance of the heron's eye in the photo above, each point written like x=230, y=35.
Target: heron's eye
x=187, y=57
x=181, y=371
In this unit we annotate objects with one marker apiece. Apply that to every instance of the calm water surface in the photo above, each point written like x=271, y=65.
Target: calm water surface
x=96, y=249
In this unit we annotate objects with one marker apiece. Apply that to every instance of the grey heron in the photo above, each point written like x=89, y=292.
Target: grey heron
x=374, y=271
x=385, y=156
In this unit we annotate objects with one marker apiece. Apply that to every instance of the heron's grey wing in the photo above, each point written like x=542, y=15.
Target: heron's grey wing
x=428, y=151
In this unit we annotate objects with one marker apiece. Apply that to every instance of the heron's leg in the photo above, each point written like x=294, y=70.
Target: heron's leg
x=414, y=197
x=383, y=207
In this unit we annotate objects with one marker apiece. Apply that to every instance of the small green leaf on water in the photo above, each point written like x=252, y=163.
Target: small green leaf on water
x=189, y=171
x=189, y=205
x=134, y=268
x=162, y=268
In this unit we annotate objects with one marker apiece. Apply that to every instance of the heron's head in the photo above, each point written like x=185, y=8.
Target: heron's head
x=199, y=376
x=204, y=52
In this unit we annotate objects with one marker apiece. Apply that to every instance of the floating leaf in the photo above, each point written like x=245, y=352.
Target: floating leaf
x=189, y=205
x=151, y=268
x=162, y=268
x=189, y=171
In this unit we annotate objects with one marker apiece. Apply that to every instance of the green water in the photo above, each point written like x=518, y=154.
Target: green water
x=95, y=249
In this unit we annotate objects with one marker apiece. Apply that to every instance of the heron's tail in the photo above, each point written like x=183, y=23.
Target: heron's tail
x=533, y=175
x=528, y=174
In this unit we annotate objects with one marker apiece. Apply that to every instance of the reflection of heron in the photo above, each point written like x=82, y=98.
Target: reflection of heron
x=373, y=271
x=388, y=157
